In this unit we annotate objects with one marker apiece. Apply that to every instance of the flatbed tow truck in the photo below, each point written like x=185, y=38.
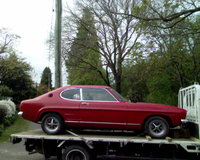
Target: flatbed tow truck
x=89, y=145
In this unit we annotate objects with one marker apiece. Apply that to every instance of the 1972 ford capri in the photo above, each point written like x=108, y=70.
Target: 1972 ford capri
x=98, y=107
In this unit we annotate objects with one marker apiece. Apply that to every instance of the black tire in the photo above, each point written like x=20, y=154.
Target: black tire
x=52, y=124
x=157, y=127
x=76, y=152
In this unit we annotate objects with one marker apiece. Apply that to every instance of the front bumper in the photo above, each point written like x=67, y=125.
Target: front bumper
x=20, y=114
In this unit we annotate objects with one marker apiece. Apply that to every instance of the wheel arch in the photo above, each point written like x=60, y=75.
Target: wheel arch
x=50, y=112
x=167, y=118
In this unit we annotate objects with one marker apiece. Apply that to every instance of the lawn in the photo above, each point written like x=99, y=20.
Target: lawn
x=19, y=126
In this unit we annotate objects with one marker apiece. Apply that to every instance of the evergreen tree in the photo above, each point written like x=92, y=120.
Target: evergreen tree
x=84, y=61
x=45, y=83
x=46, y=78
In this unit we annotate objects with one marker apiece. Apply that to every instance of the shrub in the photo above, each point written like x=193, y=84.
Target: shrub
x=7, y=114
x=1, y=129
x=2, y=114
x=7, y=121
x=9, y=107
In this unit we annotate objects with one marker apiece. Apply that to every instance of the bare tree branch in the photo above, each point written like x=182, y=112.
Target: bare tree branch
x=168, y=18
x=7, y=40
x=116, y=34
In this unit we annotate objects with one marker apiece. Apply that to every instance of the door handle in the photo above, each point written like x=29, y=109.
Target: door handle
x=85, y=103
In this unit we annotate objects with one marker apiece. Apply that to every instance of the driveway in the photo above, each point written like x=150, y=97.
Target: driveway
x=9, y=151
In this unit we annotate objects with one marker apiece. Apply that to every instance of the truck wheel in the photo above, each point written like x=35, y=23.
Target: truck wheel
x=52, y=124
x=157, y=127
x=76, y=152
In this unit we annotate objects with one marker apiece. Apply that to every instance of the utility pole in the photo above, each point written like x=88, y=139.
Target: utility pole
x=57, y=37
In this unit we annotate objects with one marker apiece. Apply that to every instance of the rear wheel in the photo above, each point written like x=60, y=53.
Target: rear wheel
x=76, y=152
x=52, y=124
x=157, y=127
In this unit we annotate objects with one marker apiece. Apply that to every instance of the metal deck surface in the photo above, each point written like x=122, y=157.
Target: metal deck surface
x=191, y=144
x=115, y=137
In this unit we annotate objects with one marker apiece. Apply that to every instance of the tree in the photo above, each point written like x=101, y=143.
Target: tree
x=46, y=78
x=134, y=79
x=162, y=84
x=15, y=79
x=46, y=82
x=7, y=41
x=117, y=35
x=83, y=64
x=42, y=89
x=151, y=11
x=179, y=49
x=5, y=91
x=15, y=74
x=172, y=60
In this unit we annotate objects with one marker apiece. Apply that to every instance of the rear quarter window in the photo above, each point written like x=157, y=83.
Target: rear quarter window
x=72, y=94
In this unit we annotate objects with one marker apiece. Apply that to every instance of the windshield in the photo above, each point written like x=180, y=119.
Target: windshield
x=119, y=95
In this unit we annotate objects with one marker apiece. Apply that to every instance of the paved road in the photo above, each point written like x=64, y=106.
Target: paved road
x=9, y=151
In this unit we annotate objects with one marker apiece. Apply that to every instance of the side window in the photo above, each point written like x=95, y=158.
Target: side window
x=97, y=94
x=73, y=94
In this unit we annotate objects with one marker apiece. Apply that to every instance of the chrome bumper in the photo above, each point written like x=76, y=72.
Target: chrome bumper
x=184, y=121
x=20, y=113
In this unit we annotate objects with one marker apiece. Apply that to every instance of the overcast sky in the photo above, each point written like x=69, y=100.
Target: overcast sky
x=32, y=21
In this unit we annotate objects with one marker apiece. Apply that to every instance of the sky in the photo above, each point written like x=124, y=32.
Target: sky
x=32, y=20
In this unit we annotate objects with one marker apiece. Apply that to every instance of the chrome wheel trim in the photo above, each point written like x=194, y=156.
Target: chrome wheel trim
x=157, y=127
x=51, y=124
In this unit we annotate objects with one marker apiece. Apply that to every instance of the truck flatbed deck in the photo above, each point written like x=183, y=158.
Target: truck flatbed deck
x=189, y=144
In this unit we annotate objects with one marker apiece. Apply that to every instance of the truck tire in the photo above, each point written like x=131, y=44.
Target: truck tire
x=52, y=124
x=157, y=127
x=76, y=152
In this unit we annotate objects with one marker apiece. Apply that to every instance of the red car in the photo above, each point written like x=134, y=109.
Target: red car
x=98, y=107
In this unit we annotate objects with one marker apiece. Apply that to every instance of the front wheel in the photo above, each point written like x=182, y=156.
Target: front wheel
x=157, y=127
x=52, y=124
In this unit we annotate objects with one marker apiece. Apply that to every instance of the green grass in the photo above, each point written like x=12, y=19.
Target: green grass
x=19, y=125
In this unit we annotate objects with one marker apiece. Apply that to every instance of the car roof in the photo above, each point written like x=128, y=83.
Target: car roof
x=89, y=86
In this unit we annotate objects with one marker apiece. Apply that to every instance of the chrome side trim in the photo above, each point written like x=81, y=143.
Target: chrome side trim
x=81, y=95
x=70, y=99
x=97, y=100
x=133, y=124
x=91, y=122
x=20, y=113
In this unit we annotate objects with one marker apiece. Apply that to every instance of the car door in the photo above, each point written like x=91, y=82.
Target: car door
x=100, y=109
